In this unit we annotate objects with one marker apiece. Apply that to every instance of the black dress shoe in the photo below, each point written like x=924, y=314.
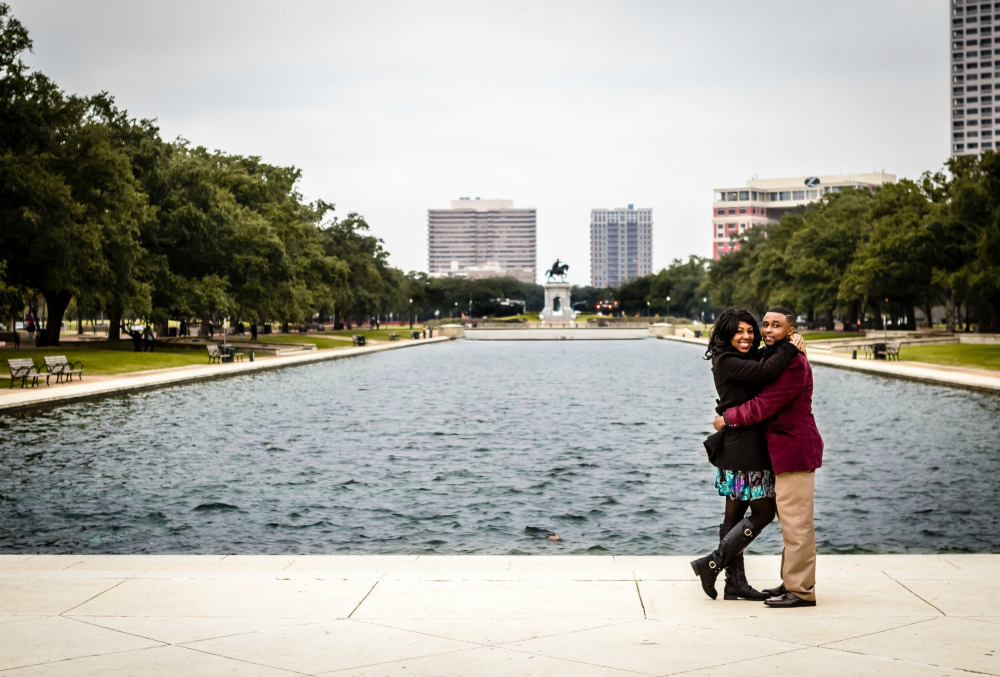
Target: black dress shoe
x=787, y=601
x=775, y=592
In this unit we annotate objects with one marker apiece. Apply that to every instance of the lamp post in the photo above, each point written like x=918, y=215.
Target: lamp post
x=647, y=309
x=411, y=313
x=704, y=300
x=668, y=307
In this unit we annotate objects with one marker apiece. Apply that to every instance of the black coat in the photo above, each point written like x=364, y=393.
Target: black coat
x=739, y=377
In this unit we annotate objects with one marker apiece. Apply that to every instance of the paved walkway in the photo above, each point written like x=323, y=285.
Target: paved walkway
x=972, y=379
x=27, y=398
x=367, y=616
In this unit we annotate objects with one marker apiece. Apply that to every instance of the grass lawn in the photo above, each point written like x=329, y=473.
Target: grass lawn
x=530, y=317
x=322, y=339
x=105, y=360
x=954, y=355
x=830, y=335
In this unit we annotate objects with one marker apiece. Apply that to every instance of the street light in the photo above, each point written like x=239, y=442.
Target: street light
x=704, y=300
x=668, y=307
x=411, y=313
x=647, y=309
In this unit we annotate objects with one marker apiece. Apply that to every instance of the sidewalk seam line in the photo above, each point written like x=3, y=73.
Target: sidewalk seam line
x=900, y=584
x=363, y=599
x=639, y=592
x=95, y=596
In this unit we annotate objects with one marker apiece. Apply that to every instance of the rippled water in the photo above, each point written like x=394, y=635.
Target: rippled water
x=481, y=447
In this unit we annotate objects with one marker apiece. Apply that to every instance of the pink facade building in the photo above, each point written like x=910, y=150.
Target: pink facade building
x=764, y=201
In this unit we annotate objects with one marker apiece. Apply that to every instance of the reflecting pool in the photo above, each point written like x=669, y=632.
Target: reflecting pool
x=481, y=447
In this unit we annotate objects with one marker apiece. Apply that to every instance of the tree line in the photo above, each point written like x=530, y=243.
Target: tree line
x=96, y=208
x=930, y=243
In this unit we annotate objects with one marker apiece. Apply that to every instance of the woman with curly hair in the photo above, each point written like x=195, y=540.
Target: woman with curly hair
x=744, y=474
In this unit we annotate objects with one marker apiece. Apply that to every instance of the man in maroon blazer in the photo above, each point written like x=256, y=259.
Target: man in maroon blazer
x=796, y=450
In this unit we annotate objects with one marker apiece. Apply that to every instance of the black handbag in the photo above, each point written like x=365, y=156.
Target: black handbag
x=714, y=444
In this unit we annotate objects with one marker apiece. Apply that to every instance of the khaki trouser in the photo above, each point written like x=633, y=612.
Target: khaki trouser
x=794, y=494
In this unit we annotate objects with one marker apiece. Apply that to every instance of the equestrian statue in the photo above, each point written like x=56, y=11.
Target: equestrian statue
x=558, y=270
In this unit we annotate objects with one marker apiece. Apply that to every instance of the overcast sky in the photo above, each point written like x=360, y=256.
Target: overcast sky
x=392, y=108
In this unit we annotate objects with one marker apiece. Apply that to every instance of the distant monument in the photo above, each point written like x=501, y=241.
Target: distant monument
x=557, y=295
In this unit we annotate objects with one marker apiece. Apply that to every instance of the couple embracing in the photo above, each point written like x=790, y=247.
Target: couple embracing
x=766, y=451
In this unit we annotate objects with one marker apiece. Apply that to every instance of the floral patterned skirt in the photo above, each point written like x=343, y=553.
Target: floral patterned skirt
x=745, y=485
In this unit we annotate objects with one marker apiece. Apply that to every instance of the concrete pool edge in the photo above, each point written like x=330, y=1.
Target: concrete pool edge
x=907, y=371
x=41, y=397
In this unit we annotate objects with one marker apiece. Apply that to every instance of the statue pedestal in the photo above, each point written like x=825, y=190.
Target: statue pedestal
x=557, y=305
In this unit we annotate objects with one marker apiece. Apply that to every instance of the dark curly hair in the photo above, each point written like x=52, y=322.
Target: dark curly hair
x=725, y=329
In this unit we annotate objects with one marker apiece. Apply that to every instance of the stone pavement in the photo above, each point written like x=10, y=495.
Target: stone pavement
x=368, y=616
x=18, y=399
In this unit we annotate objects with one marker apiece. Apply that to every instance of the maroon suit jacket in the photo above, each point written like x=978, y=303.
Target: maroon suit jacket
x=793, y=439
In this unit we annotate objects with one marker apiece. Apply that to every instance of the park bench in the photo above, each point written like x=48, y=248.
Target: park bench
x=393, y=337
x=214, y=354
x=23, y=369
x=11, y=337
x=59, y=366
x=892, y=350
x=358, y=340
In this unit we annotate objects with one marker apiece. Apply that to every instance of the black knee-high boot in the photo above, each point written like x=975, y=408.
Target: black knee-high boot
x=732, y=544
x=737, y=586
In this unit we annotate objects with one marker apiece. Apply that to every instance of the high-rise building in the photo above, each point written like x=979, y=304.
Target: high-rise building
x=763, y=201
x=972, y=69
x=621, y=245
x=474, y=233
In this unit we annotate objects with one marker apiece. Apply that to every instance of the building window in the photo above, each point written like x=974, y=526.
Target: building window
x=799, y=195
x=774, y=197
x=958, y=147
x=958, y=135
x=721, y=212
x=973, y=145
x=743, y=210
x=732, y=210
x=987, y=144
x=753, y=194
x=784, y=195
x=811, y=194
x=744, y=195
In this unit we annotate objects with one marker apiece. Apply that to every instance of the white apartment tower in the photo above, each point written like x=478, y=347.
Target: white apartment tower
x=972, y=70
x=621, y=245
x=482, y=236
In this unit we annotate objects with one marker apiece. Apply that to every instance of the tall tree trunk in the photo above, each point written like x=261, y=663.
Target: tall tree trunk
x=877, y=313
x=930, y=315
x=994, y=302
x=853, y=310
x=829, y=319
x=811, y=318
x=114, y=321
x=57, y=302
x=911, y=315
x=950, y=312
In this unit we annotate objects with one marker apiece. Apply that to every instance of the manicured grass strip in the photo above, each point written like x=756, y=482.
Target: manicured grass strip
x=954, y=355
x=323, y=339
x=109, y=360
x=831, y=335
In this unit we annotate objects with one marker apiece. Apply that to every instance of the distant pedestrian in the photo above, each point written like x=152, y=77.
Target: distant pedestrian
x=148, y=338
x=240, y=330
x=184, y=328
x=136, y=338
x=211, y=330
x=253, y=331
x=30, y=328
